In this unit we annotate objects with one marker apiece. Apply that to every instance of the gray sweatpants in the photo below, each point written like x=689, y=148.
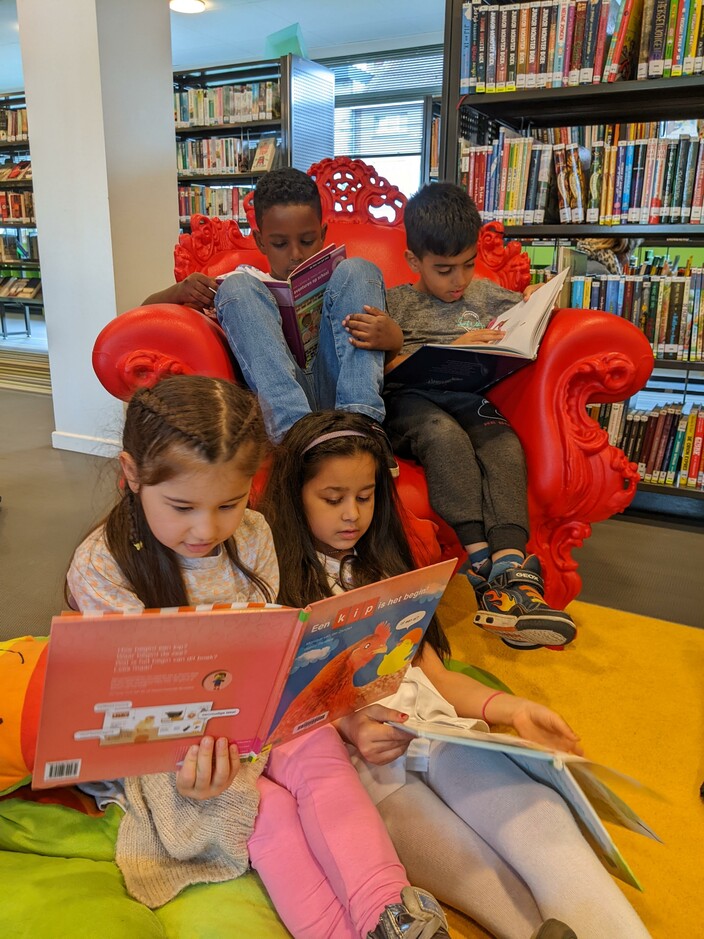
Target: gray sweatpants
x=473, y=462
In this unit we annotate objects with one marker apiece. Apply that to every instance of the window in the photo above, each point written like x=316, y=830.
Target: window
x=380, y=111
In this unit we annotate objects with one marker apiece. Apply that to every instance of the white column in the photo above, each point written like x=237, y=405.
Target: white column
x=98, y=82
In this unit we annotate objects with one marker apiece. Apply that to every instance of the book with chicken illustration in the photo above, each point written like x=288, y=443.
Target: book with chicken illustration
x=127, y=693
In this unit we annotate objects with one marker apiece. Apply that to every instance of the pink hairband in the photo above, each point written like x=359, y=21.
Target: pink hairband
x=333, y=435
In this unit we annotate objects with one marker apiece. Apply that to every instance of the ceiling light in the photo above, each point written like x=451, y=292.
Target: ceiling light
x=187, y=6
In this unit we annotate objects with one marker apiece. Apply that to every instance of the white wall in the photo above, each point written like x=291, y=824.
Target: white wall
x=98, y=83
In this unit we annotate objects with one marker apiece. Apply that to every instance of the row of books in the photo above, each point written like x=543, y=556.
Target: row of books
x=219, y=156
x=18, y=246
x=20, y=288
x=21, y=169
x=512, y=46
x=226, y=202
x=668, y=310
x=16, y=207
x=228, y=104
x=653, y=180
x=13, y=124
x=665, y=442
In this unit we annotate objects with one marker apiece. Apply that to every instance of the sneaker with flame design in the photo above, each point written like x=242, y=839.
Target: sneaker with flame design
x=512, y=607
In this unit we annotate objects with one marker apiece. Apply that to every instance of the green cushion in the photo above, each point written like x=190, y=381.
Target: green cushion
x=486, y=678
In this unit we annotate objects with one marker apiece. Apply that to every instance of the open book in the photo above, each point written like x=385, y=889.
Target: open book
x=300, y=299
x=126, y=694
x=451, y=367
x=579, y=781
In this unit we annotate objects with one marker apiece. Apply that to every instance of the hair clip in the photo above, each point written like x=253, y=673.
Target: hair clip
x=137, y=545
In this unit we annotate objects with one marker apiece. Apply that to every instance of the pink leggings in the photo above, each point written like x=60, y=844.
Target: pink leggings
x=319, y=844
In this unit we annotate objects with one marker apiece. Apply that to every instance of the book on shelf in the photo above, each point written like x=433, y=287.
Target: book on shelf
x=265, y=155
x=577, y=42
x=300, y=299
x=476, y=367
x=126, y=693
x=584, y=784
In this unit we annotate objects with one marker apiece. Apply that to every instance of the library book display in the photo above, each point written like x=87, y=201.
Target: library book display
x=574, y=476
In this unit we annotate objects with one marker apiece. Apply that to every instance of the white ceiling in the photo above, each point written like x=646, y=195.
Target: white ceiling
x=233, y=31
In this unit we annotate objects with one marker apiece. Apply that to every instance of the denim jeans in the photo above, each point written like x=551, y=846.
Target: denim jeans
x=341, y=376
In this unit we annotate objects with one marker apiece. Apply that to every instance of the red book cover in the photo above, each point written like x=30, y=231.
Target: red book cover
x=126, y=694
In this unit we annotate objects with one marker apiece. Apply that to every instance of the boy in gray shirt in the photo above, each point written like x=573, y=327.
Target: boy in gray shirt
x=473, y=461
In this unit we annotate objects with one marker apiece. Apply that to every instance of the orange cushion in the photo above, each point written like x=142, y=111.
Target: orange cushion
x=22, y=668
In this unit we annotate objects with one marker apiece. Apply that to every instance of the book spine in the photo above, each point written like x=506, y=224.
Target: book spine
x=481, y=49
x=678, y=52
x=639, y=158
x=644, y=45
x=639, y=437
x=679, y=171
x=668, y=180
x=629, y=158
x=466, y=49
x=649, y=434
x=511, y=73
x=491, y=48
x=502, y=49
x=533, y=40
x=673, y=13
x=695, y=459
x=655, y=449
x=669, y=439
x=524, y=14
x=562, y=184
x=618, y=182
x=596, y=179
x=658, y=36
x=689, y=175
x=580, y=21
x=569, y=34
x=687, y=446
x=546, y=165
x=693, y=34
x=591, y=29
x=601, y=43
x=658, y=179
x=575, y=182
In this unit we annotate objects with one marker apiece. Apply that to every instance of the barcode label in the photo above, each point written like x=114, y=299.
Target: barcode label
x=66, y=769
x=318, y=719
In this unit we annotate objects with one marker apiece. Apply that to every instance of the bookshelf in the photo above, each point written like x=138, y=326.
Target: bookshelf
x=20, y=283
x=223, y=113
x=537, y=110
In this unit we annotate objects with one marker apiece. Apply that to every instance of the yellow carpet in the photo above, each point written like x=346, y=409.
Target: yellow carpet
x=633, y=688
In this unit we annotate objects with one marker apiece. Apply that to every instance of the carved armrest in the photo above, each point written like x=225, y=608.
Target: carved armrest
x=574, y=476
x=138, y=348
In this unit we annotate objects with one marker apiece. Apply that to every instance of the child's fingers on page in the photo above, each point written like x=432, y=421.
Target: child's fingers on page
x=204, y=765
x=222, y=766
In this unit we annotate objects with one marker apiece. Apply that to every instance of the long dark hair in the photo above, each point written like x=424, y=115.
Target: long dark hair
x=183, y=422
x=382, y=551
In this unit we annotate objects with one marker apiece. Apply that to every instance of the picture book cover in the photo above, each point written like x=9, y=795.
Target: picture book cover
x=582, y=783
x=300, y=299
x=467, y=367
x=127, y=694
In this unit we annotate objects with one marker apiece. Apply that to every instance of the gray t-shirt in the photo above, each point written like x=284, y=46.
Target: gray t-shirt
x=425, y=319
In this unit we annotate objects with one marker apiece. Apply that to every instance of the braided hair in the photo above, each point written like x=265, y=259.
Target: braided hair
x=181, y=423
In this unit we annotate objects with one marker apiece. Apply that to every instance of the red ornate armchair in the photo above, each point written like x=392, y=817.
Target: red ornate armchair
x=574, y=476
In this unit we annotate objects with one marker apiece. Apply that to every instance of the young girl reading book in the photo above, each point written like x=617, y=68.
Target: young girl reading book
x=181, y=534
x=468, y=824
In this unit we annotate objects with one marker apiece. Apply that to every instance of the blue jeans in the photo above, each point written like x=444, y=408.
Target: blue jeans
x=341, y=376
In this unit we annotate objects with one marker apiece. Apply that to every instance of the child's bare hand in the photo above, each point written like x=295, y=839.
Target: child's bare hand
x=208, y=769
x=531, y=288
x=477, y=336
x=538, y=723
x=373, y=329
x=196, y=290
x=376, y=741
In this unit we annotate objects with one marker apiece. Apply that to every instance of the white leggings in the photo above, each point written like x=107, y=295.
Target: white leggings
x=482, y=836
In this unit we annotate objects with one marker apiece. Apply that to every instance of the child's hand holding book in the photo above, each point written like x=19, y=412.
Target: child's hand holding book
x=208, y=769
x=477, y=336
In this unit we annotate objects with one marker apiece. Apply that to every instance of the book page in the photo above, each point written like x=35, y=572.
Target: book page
x=524, y=324
x=356, y=648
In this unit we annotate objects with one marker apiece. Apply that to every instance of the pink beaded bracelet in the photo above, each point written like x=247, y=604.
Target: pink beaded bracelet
x=490, y=698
